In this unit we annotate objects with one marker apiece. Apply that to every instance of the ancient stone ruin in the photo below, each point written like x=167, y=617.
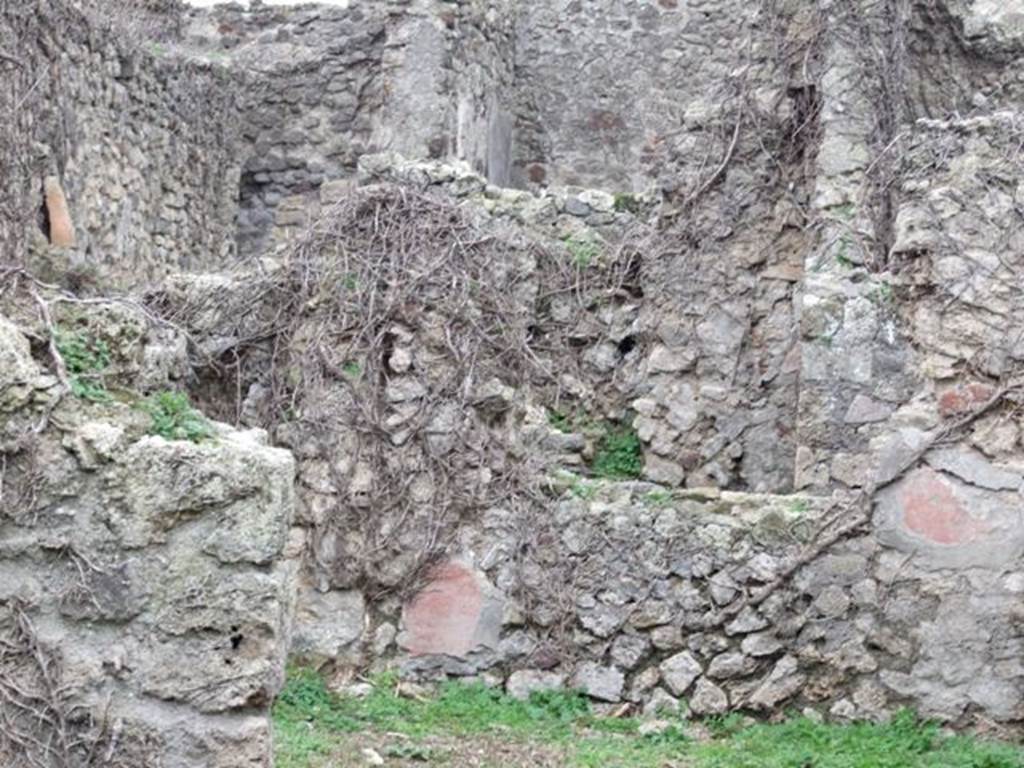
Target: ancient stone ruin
x=669, y=350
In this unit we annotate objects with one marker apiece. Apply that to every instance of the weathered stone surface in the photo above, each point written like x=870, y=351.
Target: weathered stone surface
x=326, y=623
x=599, y=682
x=629, y=650
x=782, y=683
x=708, y=699
x=749, y=620
x=760, y=644
x=729, y=665
x=19, y=373
x=948, y=523
x=974, y=469
x=239, y=488
x=661, y=703
x=522, y=683
x=184, y=646
x=964, y=398
x=832, y=603
x=679, y=671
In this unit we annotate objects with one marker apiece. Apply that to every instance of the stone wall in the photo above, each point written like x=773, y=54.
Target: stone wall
x=821, y=294
x=325, y=85
x=634, y=593
x=895, y=342
x=637, y=593
x=895, y=267
x=603, y=88
x=142, y=144
x=145, y=602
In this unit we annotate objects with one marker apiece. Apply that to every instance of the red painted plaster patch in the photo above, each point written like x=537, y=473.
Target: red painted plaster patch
x=932, y=511
x=443, y=617
x=964, y=398
x=537, y=173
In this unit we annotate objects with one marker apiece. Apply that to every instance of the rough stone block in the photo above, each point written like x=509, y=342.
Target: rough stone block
x=599, y=682
x=326, y=623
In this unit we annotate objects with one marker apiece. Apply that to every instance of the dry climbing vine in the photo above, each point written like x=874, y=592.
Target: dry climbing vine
x=40, y=725
x=398, y=341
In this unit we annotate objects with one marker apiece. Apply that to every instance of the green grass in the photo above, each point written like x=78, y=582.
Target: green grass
x=619, y=455
x=174, y=418
x=561, y=421
x=625, y=202
x=86, y=360
x=658, y=498
x=904, y=742
x=310, y=724
x=583, y=252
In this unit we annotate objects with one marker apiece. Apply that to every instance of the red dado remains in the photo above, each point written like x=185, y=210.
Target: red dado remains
x=932, y=511
x=443, y=617
x=964, y=398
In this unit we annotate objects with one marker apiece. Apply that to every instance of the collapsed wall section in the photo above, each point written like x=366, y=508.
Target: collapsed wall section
x=145, y=603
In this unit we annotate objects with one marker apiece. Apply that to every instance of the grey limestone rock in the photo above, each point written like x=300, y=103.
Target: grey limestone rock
x=678, y=672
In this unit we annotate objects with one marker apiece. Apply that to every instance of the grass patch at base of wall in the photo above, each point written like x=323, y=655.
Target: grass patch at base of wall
x=469, y=724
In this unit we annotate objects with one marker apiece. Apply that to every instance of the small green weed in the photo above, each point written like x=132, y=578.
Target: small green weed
x=658, y=499
x=882, y=295
x=560, y=421
x=626, y=203
x=843, y=254
x=174, y=418
x=352, y=369
x=799, y=506
x=722, y=726
x=86, y=358
x=619, y=455
x=583, y=252
x=581, y=489
x=568, y=423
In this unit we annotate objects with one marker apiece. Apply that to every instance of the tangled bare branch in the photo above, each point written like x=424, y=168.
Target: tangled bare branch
x=400, y=342
x=40, y=726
